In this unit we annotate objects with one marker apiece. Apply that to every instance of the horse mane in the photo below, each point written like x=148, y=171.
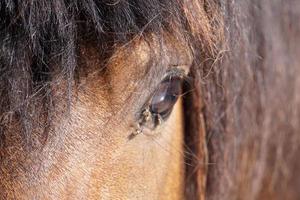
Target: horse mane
x=42, y=38
x=252, y=104
x=245, y=74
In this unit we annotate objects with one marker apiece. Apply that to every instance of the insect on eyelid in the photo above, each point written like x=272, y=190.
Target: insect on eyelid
x=161, y=104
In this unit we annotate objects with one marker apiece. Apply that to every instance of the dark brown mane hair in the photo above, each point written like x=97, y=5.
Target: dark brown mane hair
x=40, y=39
x=242, y=120
x=252, y=103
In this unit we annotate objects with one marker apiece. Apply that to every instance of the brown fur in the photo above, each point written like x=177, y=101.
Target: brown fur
x=241, y=120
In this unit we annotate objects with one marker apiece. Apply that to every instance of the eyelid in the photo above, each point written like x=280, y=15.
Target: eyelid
x=184, y=67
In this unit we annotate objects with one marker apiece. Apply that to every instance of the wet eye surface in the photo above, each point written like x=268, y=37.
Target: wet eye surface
x=165, y=96
x=161, y=103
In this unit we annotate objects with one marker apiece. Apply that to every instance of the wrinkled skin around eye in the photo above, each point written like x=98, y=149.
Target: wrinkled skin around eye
x=166, y=96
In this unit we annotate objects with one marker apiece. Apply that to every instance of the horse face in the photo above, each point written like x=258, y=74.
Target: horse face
x=90, y=152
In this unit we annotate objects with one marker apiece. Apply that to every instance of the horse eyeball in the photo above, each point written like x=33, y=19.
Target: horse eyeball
x=165, y=96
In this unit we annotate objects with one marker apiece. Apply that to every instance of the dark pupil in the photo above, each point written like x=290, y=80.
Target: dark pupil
x=166, y=96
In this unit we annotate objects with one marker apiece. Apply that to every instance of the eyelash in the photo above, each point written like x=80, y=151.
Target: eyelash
x=161, y=104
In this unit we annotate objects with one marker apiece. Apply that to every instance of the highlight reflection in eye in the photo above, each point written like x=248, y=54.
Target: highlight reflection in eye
x=165, y=96
x=161, y=104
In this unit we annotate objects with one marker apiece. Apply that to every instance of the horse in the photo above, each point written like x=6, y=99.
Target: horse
x=152, y=99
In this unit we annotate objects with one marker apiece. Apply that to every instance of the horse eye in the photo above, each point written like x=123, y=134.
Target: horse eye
x=165, y=96
x=162, y=101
